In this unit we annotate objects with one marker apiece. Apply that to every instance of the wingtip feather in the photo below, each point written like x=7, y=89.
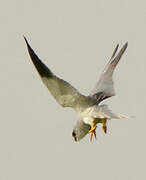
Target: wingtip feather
x=113, y=55
x=42, y=69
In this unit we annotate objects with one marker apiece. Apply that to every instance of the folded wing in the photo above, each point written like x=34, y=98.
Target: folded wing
x=105, y=86
x=65, y=94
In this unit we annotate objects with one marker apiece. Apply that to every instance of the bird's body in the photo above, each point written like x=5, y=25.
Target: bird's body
x=88, y=108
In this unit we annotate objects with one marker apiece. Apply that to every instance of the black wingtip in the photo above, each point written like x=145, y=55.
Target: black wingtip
x=126, y=44
x=115, y=50
x=42, y=69
x=124, y=47
x=26, y=40
x=120, y=53
x=24, y=36
x=30, y=50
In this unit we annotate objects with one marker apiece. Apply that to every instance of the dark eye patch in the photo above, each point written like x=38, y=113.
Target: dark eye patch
x=74, y=135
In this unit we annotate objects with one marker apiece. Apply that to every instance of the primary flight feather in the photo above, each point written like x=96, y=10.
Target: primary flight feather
x=90, y=113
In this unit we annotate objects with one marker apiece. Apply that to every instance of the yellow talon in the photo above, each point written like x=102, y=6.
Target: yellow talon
x=92, y=132
x=104, y=127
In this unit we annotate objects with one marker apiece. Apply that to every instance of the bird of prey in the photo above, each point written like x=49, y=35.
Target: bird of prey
x=88, y=108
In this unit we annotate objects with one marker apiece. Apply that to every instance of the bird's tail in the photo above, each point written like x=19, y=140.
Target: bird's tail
x=103, y=111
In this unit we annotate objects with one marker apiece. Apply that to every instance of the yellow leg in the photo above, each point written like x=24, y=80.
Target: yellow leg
x=104, y=127
x=92, y=132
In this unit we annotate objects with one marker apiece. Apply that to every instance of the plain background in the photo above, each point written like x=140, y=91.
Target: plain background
x=75, y=38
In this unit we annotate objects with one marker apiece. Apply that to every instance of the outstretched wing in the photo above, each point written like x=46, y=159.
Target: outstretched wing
x=105, y=86
x=65, y=94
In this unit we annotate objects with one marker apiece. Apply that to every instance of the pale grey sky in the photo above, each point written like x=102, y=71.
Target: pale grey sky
x=35, y=132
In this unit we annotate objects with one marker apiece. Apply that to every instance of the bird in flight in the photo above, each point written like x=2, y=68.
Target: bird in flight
x=88, y=108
